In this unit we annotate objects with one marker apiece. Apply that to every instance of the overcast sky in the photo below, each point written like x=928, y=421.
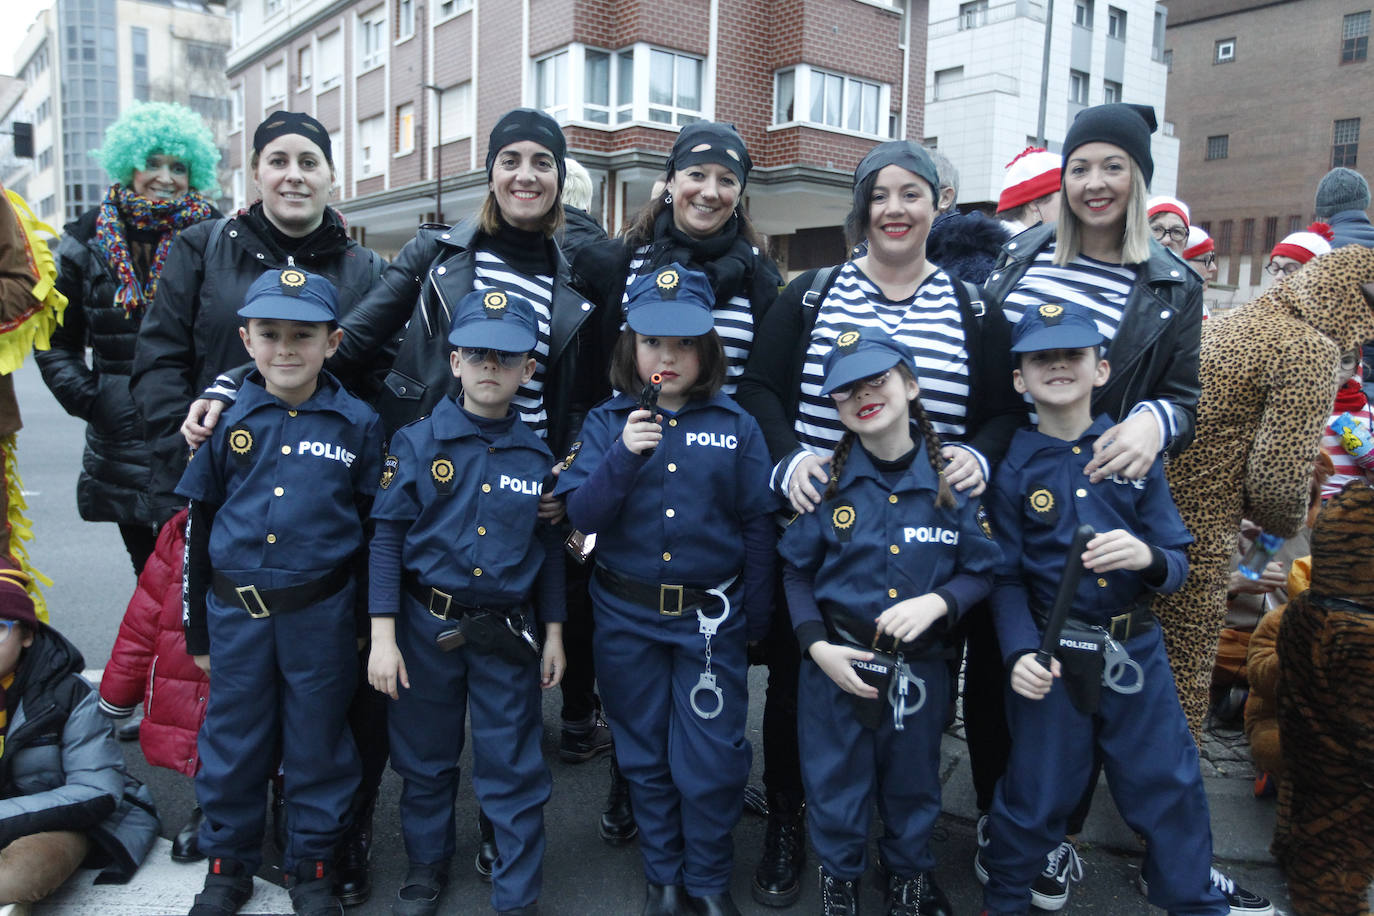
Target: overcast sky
x=18, y=17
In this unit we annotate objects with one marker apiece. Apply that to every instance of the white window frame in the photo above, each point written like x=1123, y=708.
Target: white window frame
x=329, y=80
x=372, y=24
x=554, y=69
x=1083, y=14
x=273, y=96
x=370, y=161
x=236, y=108
x=405, y=130
x=954, y=77
x=1111, y=92
x=631, y=66
x=457, y=107
x=305, y=66
x=804, y=76
x=1078, y=87
x=1224, y=51
x=405, y=20
x=1116, y=23
x=236, y=187
x=973, y=14
x=444, y=10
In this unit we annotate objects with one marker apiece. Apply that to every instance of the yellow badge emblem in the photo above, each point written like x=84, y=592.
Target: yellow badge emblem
x=389, y=467
x=572, y=454
x=1042, y=500
x=847, y=339
x=842, y=517
x=291, y=278
x=241, y=441
x=667, y=279
x=442, y=470
x=494, y=300
x=1050, y=310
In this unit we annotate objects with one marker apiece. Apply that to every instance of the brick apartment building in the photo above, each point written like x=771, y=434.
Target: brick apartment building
x=811, y=85
x=1265, y=98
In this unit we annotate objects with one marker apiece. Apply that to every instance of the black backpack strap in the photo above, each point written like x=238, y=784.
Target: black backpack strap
x=820, y=285
x=215, y=236
x=975, y=298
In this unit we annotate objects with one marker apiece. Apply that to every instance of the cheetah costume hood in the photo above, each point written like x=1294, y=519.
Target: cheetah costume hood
x=1268, y=375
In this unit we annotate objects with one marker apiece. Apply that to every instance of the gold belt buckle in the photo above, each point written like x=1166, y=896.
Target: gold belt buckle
x=447, y=599
x=1120, y=627
x=663, y=608
x=245, y=592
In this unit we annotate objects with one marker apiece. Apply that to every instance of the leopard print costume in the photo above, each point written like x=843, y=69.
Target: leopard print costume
x=1268, y=374
x=1325, y=645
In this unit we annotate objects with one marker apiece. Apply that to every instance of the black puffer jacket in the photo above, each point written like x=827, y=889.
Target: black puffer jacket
x=190, y=333
x=114, y=469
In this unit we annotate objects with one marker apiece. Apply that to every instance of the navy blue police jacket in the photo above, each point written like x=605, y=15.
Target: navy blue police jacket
x=288, y=483
x=681, y=515
x=471, y=506
x=1039, y=497
x=874, y=544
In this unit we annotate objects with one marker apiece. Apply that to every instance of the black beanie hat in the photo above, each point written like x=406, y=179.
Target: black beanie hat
x=904, y=153
x=281, y=123
x=1121, y=124
x=529, y=124
x=722, y=145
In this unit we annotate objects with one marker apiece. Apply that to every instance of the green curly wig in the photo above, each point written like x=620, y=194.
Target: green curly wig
x=148, y=128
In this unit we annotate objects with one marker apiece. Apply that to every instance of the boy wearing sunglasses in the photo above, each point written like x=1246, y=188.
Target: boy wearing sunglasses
x=460, y=562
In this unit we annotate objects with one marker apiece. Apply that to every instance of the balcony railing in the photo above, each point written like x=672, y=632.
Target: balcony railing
x=977, y=18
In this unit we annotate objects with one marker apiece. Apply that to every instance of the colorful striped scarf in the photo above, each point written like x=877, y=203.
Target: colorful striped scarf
x=122, y=207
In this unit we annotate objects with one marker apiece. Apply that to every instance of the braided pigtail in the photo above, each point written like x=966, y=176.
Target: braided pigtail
x=945, y=498
x=837, y=461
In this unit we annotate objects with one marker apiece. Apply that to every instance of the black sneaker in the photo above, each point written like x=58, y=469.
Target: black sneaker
x=486, y=846
x=228, y=886
x=421, y=889
x=1241, y=901
x=581, y=741
x=1050, y=889
x=312, y=890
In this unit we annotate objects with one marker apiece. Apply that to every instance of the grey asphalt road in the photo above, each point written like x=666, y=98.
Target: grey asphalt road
x=92, y=583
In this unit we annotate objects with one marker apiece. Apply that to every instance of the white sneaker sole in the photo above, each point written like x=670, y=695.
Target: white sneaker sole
x=1050, y=904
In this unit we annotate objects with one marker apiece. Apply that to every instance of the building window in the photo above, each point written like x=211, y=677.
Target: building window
x=1083, y=13
x=303, y=68
x=1247, y=236
x=1116, y=23
x=674, y=87
x=450, y=8
x=551, y=85
x=973, y=14
x=372, y=38
x=1294, y=223
x=1157, y=40
x=1111, y=92
x=405, y=129
x=235, y=24
x=45, y=160
x=1271, y=232
x=835, y=100
x=47, y=206
x=274, y=84
x=138, y=46
x=371, y=147
x=1355, y=37
x=1225, y=51
x=236, y=108
x=1078, y=87
x=947, y=83
x=1345, y=143
x=1219, y=147
x=785, y=97
x=236, y=187
x=457, y=111
x=596, y=86
x=1224, y=238
x=405, y=19
x=331, y=59
x=1169, y=60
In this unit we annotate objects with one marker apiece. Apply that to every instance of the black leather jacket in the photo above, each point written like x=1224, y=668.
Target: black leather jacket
x=423, y=284
x=1154, y=355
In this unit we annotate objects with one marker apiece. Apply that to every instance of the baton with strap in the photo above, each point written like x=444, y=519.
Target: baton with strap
x=1063, y=600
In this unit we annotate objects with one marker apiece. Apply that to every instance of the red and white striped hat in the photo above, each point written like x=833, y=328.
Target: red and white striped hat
x=1306, y=245
x=1030, y=176
x=1199, y=243
x=1164, y=204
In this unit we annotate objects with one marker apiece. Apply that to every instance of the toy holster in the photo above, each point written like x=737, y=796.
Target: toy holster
x=507, y=635
x=1081, y=654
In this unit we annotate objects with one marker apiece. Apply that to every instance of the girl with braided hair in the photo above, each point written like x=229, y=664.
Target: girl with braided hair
x=876, y=579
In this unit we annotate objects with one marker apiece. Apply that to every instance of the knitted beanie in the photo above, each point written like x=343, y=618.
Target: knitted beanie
x=1034, y=173
x=1199, y=243
x=1341, y=189
x=1120, y=124
x=1166, y=204
x=1306, y=245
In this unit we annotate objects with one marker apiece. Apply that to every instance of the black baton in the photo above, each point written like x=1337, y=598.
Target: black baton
x=1063, y=601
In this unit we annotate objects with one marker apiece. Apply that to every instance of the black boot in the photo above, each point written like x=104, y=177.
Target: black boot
x=312, y=890
x=279, y=813
x=664, y=900
x=186, y=846
x=918, y=896
x=714, y=905
x=228, y=885
x=352, y=869
x=486, y=848
x=838, y=898
x=618, y=820
x=581, y=741
x=777, y=880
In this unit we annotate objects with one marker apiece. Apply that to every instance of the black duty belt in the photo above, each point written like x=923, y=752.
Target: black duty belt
x=1129, y=623
x=264, y=602
x=670, y=600
x=844, y=628
x=438, y=602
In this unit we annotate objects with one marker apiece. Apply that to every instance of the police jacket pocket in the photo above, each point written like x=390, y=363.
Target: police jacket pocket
x=403, y=387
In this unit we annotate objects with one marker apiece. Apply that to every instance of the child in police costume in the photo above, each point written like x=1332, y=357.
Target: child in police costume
x=1109, y=690
x=875, y=578
x=457, y=556
x=275, y=538
x=678, y=498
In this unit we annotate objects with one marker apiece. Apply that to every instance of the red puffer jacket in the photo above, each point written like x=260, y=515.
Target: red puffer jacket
x=149, y=658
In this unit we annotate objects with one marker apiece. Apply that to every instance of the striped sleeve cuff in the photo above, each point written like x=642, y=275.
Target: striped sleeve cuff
x=116, y=712
x=224, y=388
x=782, y=472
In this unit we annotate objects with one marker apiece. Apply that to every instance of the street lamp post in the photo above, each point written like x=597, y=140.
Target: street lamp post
x=438, y=152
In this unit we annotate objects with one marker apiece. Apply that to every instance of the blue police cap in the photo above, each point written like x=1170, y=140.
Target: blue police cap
x=671, y=302
x=862, y=354
x=495, y=319
x=1055, y=326
x=291, y=295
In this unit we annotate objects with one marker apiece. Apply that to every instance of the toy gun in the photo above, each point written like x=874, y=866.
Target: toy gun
x=1063, y=599
x=1355, y=439
x=648, y=400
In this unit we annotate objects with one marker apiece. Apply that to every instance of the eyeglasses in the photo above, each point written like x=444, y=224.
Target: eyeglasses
x=6, y=627
x=504, y=358
x=1178, y=234
x=1208, y=260
x=1275, y=269
x=845, y=392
